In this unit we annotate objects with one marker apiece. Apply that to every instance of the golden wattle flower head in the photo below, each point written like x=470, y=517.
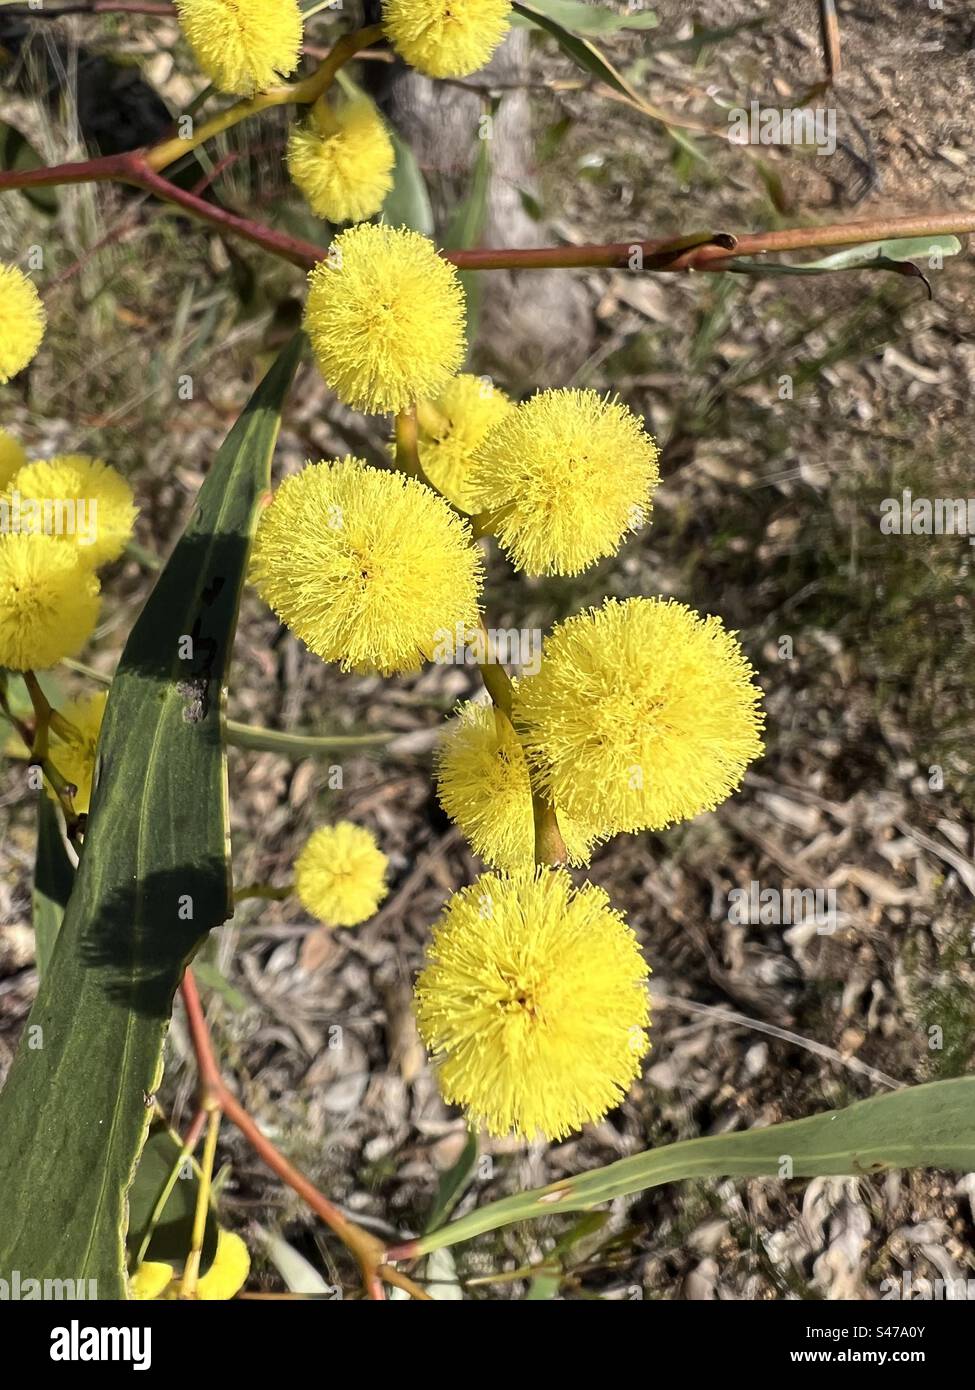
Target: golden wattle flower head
x=73, y=754
x=340, y=874
x=368, y=568
x=643, y=713
x=342, y=160
x=12, y=458
x=104, y=510
x=446, y=38
x=48, y=602
x=385, y=316
x=483, y=785
x=534, y=1004
x=243, y=46
x=22, y=322
x=563, y=478
x=453, y=427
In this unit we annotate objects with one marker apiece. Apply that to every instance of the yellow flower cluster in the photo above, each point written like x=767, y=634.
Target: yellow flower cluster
x=22, y=322
x=73, y=749
x=48, y=601
x=60, y=520
x=451, y=430
x=243, y=46
x=73, y=753
x=342, y=160
x=87, y=489
x=446, y=38
x=563, y=478
x=533, y=1000
x=367, y=567
x=340, y=875
x=643, y=713
x=484, y=786
x=534, y=1004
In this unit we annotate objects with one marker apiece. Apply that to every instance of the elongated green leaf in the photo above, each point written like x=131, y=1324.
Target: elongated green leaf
x=581, y=51
x=453, y=1184
x=582, y=18
x=591, y=60
x=871, y=255
x=408, y=203
x=465, y=228
x=154, y=878
x=53, y=881
x=920, y=1126
x=467, y=223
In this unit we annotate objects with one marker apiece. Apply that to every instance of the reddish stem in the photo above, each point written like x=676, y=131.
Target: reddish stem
x=660, y=254
x=367, y=1250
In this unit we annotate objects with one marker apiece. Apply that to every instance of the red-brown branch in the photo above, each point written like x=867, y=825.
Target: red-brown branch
x=368, y=1251
x=714, y=253
x=662, y=254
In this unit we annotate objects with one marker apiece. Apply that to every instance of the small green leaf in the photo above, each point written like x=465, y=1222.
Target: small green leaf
x=870, y=255
x=580, y=50
x=160, y=1167
x=545, y=1284
x=53, y=881
x=213, y=978
x=453, y=1184
x=465, y=228
x=591, y=60
x=17, y=155
x=581, y=18
x=408, y=203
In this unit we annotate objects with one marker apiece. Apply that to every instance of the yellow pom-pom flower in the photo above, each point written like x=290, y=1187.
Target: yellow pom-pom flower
x=483, y=785
x=48, y=602
x=340, y=875
x=452, y=428
x=82, y=501
x=534, y=1004
x=12, y=459
x=563, y=478
x=243, y=46
x=385, y=316
x=73, y=753
x=644, y=713
x=446, y=38
x=22, y=322
x=368, y=568
x=342, y=160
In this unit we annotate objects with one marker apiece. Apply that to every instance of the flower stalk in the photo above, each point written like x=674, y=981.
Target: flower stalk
x=303, y=93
